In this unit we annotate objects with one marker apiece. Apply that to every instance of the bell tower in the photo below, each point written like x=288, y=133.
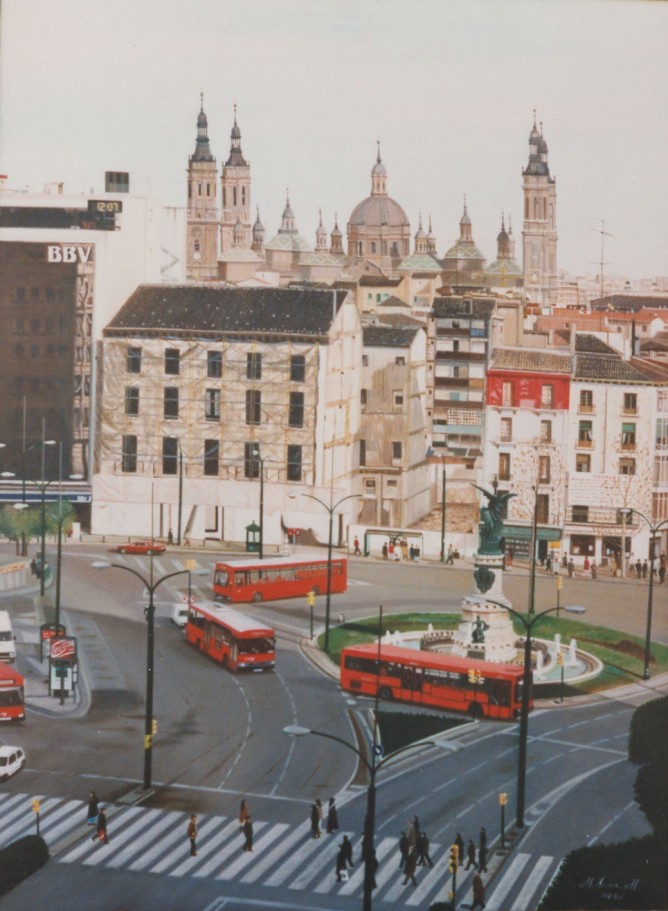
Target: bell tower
x=539, y=235
x=236, y=192
x=202, y=210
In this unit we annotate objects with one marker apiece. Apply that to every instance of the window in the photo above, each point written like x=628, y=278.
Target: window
x=251, y=460
x=583, y=462
x=132, y=400
x=547, y=395
x=171, y=402
x=504, y=466
x=396, y=451
x=398, y=399
x=630, y=403
x=363, y=395
x=544, y=469
x=296, y=410
x=543, y=508
x=400, y=361
x=506, y=430
x=365, y=360
x=294, y=466
x=627, y=466
x=253, y=406
x=211, y=455
x=214, y=364
x=628, y=436
x=170, y=460
x=507, y=394
x=129, y=453
x=212, y=405
x=133, y=361
x=586, y=400
x=546, y=431
x=172, y=361
x=455, y=344
x=297, y=368
x=662, y=432
x=362, y=452
x=584, y=433
x=253, y=366
x=581, y=514
x=369, y=487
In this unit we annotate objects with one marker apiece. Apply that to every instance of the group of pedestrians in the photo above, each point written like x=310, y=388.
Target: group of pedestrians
x=479, y=864
x=97, y=816
x=245, y=827
x=320, y=822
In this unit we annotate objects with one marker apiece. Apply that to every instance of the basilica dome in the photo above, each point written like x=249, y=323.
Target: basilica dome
x=378, y=211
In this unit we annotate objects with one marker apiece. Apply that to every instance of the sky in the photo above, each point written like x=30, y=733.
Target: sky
x=448, y=87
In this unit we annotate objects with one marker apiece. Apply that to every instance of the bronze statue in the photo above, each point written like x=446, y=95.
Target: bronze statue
x=478, y=630
x=491, y=520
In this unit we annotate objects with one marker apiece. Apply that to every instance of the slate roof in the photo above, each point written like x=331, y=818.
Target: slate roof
x=217, y=310
x=466, y=306
x=605, y=367
x=388, y=336
x=590, y=344
x=530, y=359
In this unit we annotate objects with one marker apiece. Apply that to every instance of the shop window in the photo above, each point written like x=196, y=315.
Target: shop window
x=583, y=462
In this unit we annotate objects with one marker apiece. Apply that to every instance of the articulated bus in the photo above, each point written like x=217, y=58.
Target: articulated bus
x=277, y=577
x=12, y=704
x=238, y=642
x=468, y=685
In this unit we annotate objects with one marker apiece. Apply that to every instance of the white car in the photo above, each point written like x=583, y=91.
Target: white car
x=11, y=760
x=179, y=614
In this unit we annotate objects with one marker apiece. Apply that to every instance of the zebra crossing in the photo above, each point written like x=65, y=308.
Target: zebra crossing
x=150, y=840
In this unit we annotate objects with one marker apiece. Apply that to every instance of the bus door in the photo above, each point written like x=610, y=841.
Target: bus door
x=412, y=682
x=234, y=652
x=498, y=693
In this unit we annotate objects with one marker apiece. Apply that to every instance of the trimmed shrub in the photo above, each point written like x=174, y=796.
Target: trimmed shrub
x=21, y=859
x=647, y=737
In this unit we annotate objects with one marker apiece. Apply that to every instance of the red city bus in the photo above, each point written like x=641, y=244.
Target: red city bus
x=12, y=704
x=277, y=577
x=434, y=679
x=237, y=641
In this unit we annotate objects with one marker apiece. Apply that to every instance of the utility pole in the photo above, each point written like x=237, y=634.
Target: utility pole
x=602, y=262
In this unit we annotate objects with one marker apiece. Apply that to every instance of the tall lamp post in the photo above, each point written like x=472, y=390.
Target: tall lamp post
x=331, y=509
x=61, y=518
x=180, y=506
x=151, y=586
x=256, y=453
x=528, y=623
x=654, y=529
x=444, y=480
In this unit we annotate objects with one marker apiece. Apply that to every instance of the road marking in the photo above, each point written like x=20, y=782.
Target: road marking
x=246, y=858
x=161, y=824
x=207, y=843
x=118, y=839
x=523, y=900
x=510, y=877
x=27, y=822
x=223, y=838
x=314, y=866
x=273, y=856
x=297, y=860
x=614, y=819
x=87, y=846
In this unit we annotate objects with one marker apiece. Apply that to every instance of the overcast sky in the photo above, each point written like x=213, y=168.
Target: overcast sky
x=448, y=86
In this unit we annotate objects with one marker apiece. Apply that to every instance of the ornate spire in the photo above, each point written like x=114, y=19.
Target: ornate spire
x=378, y=176
x=236, y=158
x=202, y=149
x=288, y=219
x=321, y=236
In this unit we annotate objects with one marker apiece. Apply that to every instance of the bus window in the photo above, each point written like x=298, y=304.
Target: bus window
x=221, y=577
x=255, y=646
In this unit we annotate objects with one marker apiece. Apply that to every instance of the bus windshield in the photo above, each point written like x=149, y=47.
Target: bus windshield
x=255, y=646
x=11, y=697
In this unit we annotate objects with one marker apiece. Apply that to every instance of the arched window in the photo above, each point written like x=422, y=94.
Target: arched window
x=196, y=246
x=526, y=207
x=373, y=246
x=243, y=196
x=199, y=189
x=535, y=207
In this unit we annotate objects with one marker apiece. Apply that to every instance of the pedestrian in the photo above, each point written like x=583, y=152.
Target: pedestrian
x=411, y=834
x=586, y=566
x=548, y=564
x=482, y=839
x=404, y=549
x=416, y=825
x=417, y=554
x=248, y=834
x=403, y=850
x=410, y=866
x=419, y=850
x=459, y=841
x=613, y=567
x=564, y=561
x=411, y=553
x=101, y=831
x=423, y=851
x=347, y=851
x=594, y=571
x=385, y=550
x=390, y=550
x=356, y=547
x=470, y=855
x=478, y=892
x=662, y=573
x=451, y=556
x=315, y=821
x=321, y=813
x=186, y=541
x=638, y=569
x=170, y=537
x=571, y=568
x=192, y=835
x=482, y=858
x=92, y=808
x=644, y=569
x=244, y=813
x=332, y=817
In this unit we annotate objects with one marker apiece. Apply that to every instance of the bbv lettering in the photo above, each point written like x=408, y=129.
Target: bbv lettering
x=68, y=253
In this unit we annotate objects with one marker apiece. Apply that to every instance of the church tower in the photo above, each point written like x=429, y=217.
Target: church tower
x=202, y=217
x=539, y=235
x=236, y=192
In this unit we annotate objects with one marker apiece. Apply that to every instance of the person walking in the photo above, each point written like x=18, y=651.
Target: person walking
x=356, y=547
x=482, y=858
x=662, y=572
x=192, y=835
x=478, y=892
x=644, y=569
x=101, y=831
x=571, y=568
x=459, y=841
x=548, y=564
x=92, y=808
x=470, y=855
x=321, y=813
x=403, y=850
x=170, y=537
x=482, y=838
x=638, y=569
x=594, y=571
x=424, y=858
x=315, y=821
x=451, y=556
x=244, y=813
x=409, y=867
x=248, y=834
x=332, y=817
x=385, y=550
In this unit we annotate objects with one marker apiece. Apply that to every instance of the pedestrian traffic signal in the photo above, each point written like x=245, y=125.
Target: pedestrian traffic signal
x=155, y=726
x=503, y=799
x=453, y=862
x=560, y=658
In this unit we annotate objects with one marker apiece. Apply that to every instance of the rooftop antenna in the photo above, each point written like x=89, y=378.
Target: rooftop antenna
x=602, y=262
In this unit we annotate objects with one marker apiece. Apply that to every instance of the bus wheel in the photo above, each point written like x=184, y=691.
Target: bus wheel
x=257, y=596
x=385, y=693
x=475, y=710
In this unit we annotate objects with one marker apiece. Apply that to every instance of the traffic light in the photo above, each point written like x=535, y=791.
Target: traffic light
x=35, y=806
x=560, y=658
x=453, y=862
x=472, y=676
x=311, y=598
x=155, y=726
x=503, y=799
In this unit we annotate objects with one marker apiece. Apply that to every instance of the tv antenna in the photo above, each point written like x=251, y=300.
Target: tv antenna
x=602, y=262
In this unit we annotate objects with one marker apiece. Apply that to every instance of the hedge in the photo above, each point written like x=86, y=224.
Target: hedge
x=21, y=859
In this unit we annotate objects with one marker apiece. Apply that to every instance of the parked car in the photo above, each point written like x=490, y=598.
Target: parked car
x=11, y=760
x=140, y=547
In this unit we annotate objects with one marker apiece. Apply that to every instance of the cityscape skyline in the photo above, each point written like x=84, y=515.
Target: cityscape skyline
x=448, y=89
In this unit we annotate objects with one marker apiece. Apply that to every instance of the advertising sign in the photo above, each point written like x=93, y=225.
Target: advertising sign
x=64, y=648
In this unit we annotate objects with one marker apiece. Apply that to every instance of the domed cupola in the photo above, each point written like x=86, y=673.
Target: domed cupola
x=202, y=148
x=288, y=218
x=420, y=238
x=321, y=236
x=336, y=238
x=258, y=233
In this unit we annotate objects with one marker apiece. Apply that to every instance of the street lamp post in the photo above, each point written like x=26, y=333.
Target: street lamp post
x=180, y=506
x=331, y=509
x=151, y=586
x=526, y=685
x=443, y=507
x=256, y=453
x=654, y=529
x=60, y=520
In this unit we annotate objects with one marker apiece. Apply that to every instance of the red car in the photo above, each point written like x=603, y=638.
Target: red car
x=140, y=547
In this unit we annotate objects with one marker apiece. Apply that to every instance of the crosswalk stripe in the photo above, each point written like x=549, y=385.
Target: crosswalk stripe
x=207, y=842
x=54, y=826
x=274, y=855
x=532, y=882
x=161, y=825
x=295, y=861
x=87, y=846
x=433, y=879
x=230, y=831
x=9, y=800
x=18, y=808
x=27, y=823
x=328, y=882
x=231, y=870
x=310, y=871
x=357, y=879
x=510, y=877
x=117, y=839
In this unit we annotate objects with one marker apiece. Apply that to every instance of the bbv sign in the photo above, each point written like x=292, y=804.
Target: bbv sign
x=69, y=253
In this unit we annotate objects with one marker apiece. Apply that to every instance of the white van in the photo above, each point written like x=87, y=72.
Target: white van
x=7, y=647
x=179, y=614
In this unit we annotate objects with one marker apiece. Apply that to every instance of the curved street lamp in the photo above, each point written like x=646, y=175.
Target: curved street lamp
x=654, y=529
x=526, y=683
x=151, y=586
x=331, y=509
